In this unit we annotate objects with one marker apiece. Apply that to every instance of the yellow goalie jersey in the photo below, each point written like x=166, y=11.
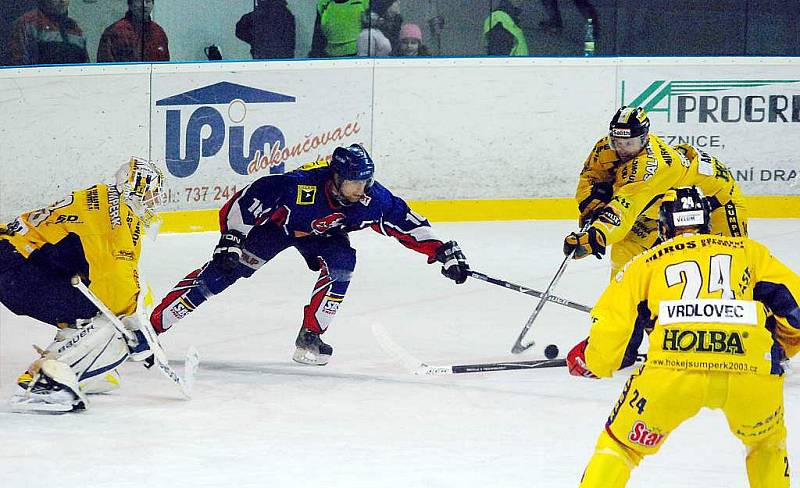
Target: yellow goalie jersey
x=704, y=301
x=640, y=183
x=110, y=241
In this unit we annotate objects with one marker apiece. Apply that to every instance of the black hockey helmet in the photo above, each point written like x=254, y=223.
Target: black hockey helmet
x=353, y=163
x=629, y=122
x=684, y=207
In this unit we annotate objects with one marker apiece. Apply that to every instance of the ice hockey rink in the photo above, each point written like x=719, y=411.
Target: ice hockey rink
x=259, y=420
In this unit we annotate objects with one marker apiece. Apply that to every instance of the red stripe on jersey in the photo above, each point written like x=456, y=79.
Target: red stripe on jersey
x=225, y=210
x=427, y=248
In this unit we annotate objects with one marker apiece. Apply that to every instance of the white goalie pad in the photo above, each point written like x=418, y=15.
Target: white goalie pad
x=93, y=350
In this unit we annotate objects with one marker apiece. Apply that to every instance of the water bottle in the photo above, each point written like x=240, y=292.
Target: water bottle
x=588, y=39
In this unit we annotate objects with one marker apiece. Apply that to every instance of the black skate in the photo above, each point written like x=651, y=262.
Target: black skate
x=311, y=349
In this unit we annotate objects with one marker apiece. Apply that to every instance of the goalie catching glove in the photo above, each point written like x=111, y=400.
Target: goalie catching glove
x=592, y=241
x=228, y=251
x=454, y=264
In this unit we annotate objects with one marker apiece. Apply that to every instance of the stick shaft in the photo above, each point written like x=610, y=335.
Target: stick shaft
x=528, y=291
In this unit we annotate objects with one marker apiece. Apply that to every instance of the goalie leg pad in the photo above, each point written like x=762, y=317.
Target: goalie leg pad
x=93, y=349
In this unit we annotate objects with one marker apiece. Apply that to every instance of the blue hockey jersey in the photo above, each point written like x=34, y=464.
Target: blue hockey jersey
x=302, y=204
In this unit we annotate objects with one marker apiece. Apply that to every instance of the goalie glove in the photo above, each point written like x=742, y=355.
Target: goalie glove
x=591, y=206
x=454, y=264
x=576, y=360
x=228, y=251
x=593, y=241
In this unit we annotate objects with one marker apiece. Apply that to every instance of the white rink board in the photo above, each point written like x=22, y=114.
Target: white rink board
x=440, y=128
x=66, y=128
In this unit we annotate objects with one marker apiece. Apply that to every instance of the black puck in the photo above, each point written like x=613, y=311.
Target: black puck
x=551, y=351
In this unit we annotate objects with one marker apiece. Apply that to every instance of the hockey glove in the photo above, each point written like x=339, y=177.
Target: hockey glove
x=576, y=360
x=592, y=241
x=590, y=207
x=228, y=251
x=454, y=264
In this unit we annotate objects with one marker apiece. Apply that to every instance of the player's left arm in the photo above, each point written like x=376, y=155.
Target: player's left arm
x=414, y=232
x=616, y=331
x=777, y=287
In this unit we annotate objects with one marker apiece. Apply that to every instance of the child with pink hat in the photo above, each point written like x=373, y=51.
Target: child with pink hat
x=411, y=42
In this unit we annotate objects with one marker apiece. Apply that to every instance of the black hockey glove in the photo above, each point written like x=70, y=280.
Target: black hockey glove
x=228, y=251
x=454, y=264
x=592, y=241
x=590, y=207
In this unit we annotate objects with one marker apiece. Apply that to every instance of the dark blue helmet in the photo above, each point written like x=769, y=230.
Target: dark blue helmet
x=353, y=163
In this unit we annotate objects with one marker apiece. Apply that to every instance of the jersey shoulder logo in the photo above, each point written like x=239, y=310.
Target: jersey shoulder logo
x=306, y=194
x=320, y=163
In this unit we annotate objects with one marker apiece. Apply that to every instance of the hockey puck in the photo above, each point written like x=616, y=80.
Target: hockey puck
x=551, y=351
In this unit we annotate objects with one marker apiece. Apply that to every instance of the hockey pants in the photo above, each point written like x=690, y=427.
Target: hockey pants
x=655, y=401
x=332, y=256
x=34, y=288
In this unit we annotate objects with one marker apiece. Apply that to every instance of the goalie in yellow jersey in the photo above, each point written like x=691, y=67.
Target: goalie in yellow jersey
x=721, y=314
x=96, y=234
x=622, y=182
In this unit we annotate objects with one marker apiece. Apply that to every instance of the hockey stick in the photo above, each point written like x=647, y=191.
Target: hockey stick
x=441, y=370
x=419, y=368
x=518, y=346
x=528, y=291
x=192, y=357
x=434, y=370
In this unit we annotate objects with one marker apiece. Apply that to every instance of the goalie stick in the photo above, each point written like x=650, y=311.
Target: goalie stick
x=192, y=356
x=528, y=291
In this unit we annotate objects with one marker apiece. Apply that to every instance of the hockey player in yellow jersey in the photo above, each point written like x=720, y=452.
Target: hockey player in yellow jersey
x=623, y=180
x=704, y=301
x=95, y=234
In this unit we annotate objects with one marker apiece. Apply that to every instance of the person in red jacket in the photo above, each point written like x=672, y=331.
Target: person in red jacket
x=135, y=37
x=47, y=35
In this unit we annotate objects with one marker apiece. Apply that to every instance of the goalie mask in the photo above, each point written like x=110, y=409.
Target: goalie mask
x=628, y=131
x=683, y=209
x=140, y=184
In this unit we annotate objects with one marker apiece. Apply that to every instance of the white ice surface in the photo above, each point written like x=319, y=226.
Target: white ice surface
x=259, y=420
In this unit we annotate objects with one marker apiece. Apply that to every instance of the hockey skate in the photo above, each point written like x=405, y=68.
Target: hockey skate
x=311, y=349
x=49, y=386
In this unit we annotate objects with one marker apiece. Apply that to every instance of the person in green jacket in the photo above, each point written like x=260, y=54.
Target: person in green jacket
x=502, y=34
x=337, y=27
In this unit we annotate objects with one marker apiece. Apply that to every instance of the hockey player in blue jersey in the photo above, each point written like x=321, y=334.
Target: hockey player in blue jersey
x=311, y=209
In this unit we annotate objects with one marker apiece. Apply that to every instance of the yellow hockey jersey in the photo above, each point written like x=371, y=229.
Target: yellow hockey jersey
x=704, y=300
x=110, y=237
x=640, y=183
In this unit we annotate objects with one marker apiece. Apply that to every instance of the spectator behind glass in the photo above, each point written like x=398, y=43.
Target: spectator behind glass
x=386, y=16
x=337, y=28
x=269, y=29
x=135, y=37
x=501, y=31
x=411, y=42
x=46, y=35
x=372, y=42
x=554, y=15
